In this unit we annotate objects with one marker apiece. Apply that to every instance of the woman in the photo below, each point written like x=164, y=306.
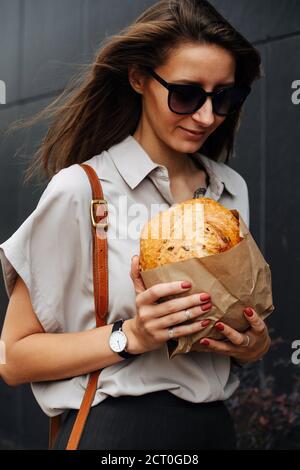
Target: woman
x=143, y=136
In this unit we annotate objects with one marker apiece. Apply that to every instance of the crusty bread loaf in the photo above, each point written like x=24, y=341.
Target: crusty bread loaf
x=160, y=243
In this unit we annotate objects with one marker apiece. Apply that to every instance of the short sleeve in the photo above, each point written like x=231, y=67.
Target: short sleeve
x=46, y=251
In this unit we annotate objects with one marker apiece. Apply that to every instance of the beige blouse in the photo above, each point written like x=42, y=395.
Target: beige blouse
x=52, y=252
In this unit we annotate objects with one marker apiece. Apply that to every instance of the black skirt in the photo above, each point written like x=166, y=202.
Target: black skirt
x=153, y=421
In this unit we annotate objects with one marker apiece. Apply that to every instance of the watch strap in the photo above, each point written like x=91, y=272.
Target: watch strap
x=118, y=326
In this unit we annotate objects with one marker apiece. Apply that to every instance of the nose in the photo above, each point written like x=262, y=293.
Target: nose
x=205, y=115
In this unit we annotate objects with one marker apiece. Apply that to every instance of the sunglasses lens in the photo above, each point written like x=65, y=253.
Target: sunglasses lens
x=230, y=100
x=185, y=99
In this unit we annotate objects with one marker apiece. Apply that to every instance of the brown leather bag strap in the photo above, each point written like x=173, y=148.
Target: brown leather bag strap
x=99, y=223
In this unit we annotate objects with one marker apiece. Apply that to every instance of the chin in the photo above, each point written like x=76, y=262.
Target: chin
x=189, y=146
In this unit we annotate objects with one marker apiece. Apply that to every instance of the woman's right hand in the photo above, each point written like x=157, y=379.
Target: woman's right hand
x=153, y=320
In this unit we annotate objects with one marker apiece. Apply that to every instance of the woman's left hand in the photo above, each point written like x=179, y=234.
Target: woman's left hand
x=245, y=347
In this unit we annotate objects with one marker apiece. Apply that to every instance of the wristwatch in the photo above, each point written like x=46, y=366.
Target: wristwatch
x=118, y=340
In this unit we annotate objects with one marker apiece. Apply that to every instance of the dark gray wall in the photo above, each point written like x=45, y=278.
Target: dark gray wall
x=267, y=155
x=41, y=42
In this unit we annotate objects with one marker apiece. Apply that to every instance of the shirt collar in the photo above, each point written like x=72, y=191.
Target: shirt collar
x=134, y=164
x=132, y=161
x=218, y=173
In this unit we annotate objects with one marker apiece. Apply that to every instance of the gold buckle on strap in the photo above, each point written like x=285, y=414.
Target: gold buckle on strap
x=103, y=225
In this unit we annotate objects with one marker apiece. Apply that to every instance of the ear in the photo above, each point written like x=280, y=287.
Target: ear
x=136, y=79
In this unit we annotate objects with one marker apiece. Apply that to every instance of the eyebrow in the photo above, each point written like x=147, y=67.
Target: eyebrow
x=190, y=82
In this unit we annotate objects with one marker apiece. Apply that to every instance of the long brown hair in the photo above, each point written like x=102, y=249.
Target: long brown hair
x=99, y=108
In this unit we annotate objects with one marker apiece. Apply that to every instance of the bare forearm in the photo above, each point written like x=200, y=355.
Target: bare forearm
x=46, y=356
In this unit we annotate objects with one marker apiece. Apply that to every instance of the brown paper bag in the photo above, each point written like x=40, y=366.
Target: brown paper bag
x=235, y=279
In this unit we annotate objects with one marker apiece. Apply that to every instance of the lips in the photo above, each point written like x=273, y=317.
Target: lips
x=194, y=132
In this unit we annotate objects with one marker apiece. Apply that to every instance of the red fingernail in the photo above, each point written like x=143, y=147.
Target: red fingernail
x=206, y=307
x=220, y=326
x=204, y=297
x=186, y=285
x=205, y=322
x=205, y=342
x=248, y=311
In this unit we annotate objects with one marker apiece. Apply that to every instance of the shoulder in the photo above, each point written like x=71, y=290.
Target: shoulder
x=70, y=184
x=71, y=181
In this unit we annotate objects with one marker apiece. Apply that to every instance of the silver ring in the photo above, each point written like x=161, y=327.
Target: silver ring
x=248, y=342
x=188, y=314
x=171, y=332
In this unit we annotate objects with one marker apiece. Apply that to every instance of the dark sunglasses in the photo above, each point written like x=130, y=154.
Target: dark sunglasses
x=187, y=99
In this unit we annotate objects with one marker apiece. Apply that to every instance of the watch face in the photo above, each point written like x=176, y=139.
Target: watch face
x=118, y=341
